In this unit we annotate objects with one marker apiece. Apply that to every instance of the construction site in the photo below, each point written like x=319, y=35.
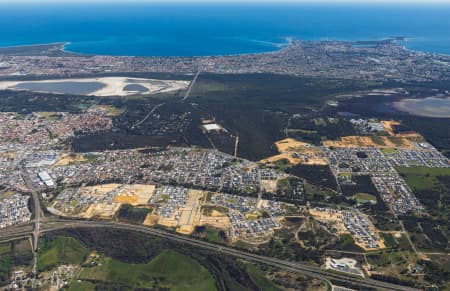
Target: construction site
x=297, y=152
x=363, y=232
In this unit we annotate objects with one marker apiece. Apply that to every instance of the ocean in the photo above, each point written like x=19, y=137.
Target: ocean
x=173, y=29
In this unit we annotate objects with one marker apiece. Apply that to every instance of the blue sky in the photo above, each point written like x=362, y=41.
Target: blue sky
x=231, y=1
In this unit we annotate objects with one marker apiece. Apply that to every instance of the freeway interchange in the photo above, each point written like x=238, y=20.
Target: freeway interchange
x=48, y=225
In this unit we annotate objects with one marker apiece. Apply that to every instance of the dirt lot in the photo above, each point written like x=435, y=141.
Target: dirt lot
x=371, y=141
x=137, y=194
x=101, y=210
x=151, y=219
x=269, y=185
x=297, y=152
x=288, y=144
x=388, y=125
x=333, y=217
x=67, y=159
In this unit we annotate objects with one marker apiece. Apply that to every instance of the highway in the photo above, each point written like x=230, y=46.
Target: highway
x=37, y=206
x=191, y=85
x=37, y=219
x=312, y=271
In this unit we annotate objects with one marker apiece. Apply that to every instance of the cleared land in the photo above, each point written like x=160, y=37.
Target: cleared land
x=389, y=127
x=104, y=200
x=68, y=159
x=215, y=217
x=136, y=194
x=297, y=152
x=370, y=141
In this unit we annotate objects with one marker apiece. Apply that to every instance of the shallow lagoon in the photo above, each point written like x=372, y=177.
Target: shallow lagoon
x=103, y=86
x=135, y=88
x=428, y=107
x=77, y=88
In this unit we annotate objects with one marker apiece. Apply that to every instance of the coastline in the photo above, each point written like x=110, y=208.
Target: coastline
x=281, y=46
x=332, y=59
x=49, y=49
x=63, y=48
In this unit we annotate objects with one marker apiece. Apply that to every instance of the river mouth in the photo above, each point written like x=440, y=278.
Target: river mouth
x=427, y=107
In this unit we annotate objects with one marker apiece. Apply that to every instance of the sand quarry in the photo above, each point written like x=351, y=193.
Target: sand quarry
x=104, y=86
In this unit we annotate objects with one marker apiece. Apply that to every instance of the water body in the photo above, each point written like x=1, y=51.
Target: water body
x=135, y=88
x=428, y=107
x=174, y=29
x=63, y=87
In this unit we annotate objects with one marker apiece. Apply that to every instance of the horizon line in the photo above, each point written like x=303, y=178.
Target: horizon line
x=359, y=2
